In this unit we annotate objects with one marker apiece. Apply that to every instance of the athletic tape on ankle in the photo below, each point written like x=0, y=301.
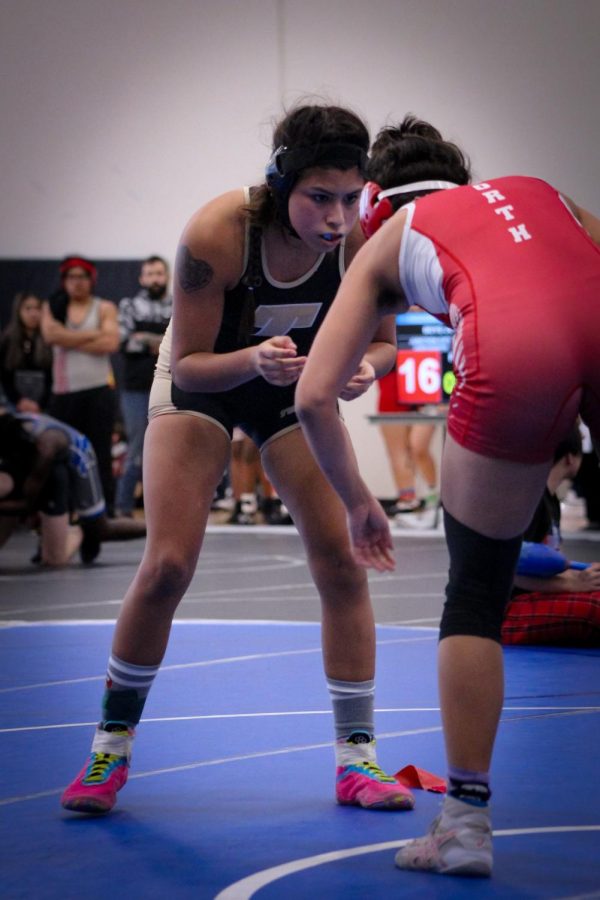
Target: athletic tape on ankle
x=114, y=742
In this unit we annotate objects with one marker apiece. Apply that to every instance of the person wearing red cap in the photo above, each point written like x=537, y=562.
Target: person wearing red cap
x=83, y=332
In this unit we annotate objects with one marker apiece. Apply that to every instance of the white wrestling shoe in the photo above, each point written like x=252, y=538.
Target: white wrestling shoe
x=459, y=842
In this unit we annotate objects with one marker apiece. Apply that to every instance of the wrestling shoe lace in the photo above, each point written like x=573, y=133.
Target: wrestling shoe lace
x=364, y=783
x=94, y=790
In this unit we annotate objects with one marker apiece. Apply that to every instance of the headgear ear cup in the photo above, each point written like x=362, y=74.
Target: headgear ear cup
x=375, y=207
x=373, y=212
x=278, y=180
x=280, y=183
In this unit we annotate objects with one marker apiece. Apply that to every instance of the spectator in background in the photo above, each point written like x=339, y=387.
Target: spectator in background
x=252, y=491
x=587, y=482
x=561, y=609
x=48, y=470
x=83, y=332
x=25, y=358
x=408, y=450
x=142, y=323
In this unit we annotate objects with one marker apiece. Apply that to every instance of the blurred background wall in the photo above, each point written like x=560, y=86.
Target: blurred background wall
x=120, y=117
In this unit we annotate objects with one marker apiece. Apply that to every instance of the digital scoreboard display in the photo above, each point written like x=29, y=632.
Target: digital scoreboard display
x=424, y=362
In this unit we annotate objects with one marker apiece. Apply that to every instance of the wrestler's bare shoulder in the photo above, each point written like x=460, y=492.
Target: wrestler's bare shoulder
x=223, y=214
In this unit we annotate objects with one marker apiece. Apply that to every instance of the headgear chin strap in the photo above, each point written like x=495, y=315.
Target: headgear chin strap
x=284, y=167
x=375, y=207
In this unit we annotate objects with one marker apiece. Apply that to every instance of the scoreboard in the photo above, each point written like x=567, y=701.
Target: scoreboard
x=424, y=362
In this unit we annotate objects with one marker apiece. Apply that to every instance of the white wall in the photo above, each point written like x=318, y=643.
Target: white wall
x=120, y=117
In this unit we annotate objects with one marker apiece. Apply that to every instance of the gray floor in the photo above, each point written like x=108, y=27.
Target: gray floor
x=244, y=573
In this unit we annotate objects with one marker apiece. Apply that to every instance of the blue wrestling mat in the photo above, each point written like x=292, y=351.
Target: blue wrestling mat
x=232, y=782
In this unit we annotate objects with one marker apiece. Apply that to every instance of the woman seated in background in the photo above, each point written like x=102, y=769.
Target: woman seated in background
x=25, y=358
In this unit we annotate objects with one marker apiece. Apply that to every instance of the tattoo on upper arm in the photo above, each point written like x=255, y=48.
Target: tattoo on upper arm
x=193, y=274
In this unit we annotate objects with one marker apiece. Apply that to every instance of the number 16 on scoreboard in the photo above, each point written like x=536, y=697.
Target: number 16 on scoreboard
x=419, y=376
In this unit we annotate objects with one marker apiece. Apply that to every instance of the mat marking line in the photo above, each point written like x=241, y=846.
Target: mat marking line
x=247, y=887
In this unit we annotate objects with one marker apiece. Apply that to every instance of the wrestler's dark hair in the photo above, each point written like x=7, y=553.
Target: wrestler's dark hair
x=415, y=151
x=308, y=126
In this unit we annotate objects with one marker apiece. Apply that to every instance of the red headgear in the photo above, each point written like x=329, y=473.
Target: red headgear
x=78, y=262
x=375, y=207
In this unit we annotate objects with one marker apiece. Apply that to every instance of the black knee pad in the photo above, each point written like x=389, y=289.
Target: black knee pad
x=480, y=581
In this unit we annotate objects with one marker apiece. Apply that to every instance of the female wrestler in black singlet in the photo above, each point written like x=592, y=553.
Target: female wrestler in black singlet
x=255, y=274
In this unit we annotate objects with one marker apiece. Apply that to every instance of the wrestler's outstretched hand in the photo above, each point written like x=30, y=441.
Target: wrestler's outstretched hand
x=372, y=545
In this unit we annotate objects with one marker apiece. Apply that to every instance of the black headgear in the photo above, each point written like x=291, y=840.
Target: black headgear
x=286, y=164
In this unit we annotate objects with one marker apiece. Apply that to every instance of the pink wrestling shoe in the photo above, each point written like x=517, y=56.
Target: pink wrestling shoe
x=361, y=782
x=459, y=842
x=95, y=788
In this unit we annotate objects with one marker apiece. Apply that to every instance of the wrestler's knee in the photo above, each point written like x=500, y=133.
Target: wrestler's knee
x=480, y=581
x=167, y=572
x=335, y=571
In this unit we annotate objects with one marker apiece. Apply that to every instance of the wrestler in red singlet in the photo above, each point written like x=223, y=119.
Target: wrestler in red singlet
x=498, y=259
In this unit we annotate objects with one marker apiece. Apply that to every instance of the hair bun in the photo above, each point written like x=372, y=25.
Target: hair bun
x=413, y=127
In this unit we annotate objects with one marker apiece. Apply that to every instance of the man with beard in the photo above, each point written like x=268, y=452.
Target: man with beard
x=142, y=322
